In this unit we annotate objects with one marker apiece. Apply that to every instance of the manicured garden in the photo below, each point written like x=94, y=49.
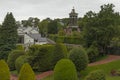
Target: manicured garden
x=107, y=68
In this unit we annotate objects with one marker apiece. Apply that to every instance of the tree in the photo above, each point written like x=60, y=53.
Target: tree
x=8, y=36
x=65, y=70
x=26, y=73
x=52, y=27
x=100, y=27
x=43, y=27
x=4, y=71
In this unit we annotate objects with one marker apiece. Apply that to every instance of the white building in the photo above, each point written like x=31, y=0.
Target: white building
x=30, y=35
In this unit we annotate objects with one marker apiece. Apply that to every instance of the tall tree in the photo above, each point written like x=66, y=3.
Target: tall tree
x=101, y=27
x=53, y=27
x=8, y=36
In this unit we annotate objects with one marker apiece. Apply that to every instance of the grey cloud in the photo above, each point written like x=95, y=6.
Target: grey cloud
x=22, y=9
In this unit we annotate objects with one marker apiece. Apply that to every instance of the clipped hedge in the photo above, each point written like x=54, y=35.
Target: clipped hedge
x=42, y=57
x=79, y=57
x=60, y=52
x=20, y=61
x=12, y=58
x=66, y=39
x=92, y=53
x=96, y=75
x=4, y=71
x=65, y=70
x=26, y=73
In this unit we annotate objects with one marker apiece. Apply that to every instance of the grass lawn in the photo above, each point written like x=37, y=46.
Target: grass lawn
x=105, y=67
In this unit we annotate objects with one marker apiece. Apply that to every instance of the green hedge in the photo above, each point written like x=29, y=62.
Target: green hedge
x=66, y=39
x=4, y=71
x=42, y=57
x=92, y=53
x=12, y=58
x=60, y=52
x=26, y=73
x=65, y=70
x=20, y=61
x=79, y=57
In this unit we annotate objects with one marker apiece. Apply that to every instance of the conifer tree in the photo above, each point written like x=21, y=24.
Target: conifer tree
x=26, y=73
x=4, y=71
x=8, y=36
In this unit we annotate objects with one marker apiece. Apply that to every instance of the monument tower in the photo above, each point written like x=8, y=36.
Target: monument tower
x=73, y=18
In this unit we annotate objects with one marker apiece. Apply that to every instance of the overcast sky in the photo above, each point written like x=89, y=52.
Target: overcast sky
x=23, y=9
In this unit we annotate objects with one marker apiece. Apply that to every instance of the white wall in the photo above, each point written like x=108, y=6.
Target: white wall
x=28, y=39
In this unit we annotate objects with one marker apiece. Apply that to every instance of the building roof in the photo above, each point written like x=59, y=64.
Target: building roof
x=37, y=37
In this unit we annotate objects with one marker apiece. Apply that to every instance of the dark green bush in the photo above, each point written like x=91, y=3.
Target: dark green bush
x=60, y=52
x=92, y=53
x=79, y=57
x=65, y=70
x=96, y=75
x=42, y=57
x=26, y=73
x=12, y=58
x=4, y=71
x=20, y=61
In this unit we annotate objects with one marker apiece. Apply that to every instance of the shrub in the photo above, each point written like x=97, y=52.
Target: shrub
x=92, y=53
x=20, y=47
x=60, y=52
x=42, y=57
x=65, y=70
x=96, y=75
x=26, y=73
x=79, y=58
x=12, y=58
x=4, y=71
x=20, y=61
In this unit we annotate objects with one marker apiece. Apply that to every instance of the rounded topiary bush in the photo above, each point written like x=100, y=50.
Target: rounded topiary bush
x=79, y=57
x=92, y=53
x=12, y=58
x=20, y=61
x=4, y=71
x=26, y=73
x=60, y=52
x=96, y=75
x=65, y=70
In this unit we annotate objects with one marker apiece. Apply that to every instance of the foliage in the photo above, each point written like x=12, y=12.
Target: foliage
x=20, y=47
x=53, y=27
x=60, y=52
x=42, y=57
x=96, y=75
x=100, y=27
x=67, y=39
x=92, y=53
x=65, y=70
x=30, y=22
x=79, y=58
x=26, y=73
x=20, y=61
x=8, y=36
x=4, y=71
x=12, y=58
